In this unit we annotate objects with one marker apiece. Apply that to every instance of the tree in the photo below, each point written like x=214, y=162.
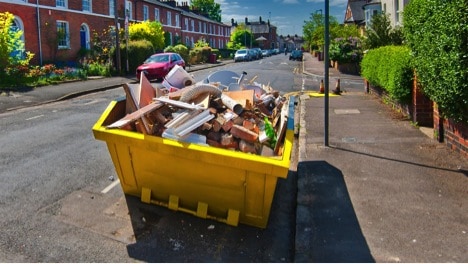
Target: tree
x=11, y=45
x=241, y=37
x=208, y=7
x=380, y=33
x=314, y=30
x=148, y=30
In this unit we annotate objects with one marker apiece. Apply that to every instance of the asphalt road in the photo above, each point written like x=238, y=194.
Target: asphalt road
x=60, y=201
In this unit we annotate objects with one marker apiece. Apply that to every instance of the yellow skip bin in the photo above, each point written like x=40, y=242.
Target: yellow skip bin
x=208, y=182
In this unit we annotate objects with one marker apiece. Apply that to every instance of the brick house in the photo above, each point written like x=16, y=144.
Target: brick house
x=261, y=29
x=41, y=20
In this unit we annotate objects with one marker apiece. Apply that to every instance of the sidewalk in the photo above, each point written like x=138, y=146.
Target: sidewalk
x=51, y=93
x=382, y=191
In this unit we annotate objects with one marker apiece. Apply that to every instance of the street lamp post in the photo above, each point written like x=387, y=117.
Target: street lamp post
x=327, y=62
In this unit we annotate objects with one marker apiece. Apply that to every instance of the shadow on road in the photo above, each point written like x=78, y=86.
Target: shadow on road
x=163, y=235
x=332, y=230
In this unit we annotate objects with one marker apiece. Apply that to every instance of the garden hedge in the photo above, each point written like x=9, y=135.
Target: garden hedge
x=437, y=33
x=389, y=67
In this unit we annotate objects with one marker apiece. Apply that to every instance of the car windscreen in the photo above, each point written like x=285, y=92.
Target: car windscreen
x=158, y=58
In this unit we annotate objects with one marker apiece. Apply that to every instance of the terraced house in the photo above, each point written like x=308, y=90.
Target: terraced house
x=57, y=29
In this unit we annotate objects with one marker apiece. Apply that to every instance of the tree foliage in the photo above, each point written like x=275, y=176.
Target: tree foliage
x=208, y=7
x=148, y=30
x=11, y=44
x=437, y=33
x=380, y=33
x=314, y=31
x=240, y=37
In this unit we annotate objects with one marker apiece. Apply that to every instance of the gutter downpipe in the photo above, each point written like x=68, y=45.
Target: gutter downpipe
x=39, y=31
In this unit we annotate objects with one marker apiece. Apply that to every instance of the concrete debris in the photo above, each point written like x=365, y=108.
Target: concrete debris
x=223, y=111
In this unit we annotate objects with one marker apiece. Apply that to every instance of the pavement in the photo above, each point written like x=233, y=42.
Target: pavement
x=381, y=190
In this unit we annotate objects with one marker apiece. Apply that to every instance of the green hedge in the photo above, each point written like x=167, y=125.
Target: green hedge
x=389, y=67
x=436, y=31
x=138, y=51
x=180, y=49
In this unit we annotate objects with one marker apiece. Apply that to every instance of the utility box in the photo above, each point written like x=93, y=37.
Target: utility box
x=209, y=182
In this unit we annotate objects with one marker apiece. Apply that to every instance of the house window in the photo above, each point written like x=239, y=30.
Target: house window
x=145, y=13
x=199, y=26
x=156, y=14
x=86, y=5
x=397, y=12
x=61, y=3
x=192, y=25
x=204, y=27
x=186, y=23
x=169, y=18
x=192, y=42
x=63, y=35
x=112, y=7
x=187, y=41
x=177, y=20
x=129, y=10
x=16, y=26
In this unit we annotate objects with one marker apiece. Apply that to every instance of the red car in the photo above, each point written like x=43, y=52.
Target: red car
x=158, y=65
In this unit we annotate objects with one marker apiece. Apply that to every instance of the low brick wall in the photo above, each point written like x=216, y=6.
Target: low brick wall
x=384, y=97
x=425, y=113
x=454, y=134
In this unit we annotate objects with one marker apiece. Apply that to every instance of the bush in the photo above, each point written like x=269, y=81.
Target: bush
x=180, y=49
x=346, y=50
x=390, y=67
x=436, y=31
x=138, y=52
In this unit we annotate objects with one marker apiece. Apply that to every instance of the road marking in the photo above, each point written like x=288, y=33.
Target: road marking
x=34, y=117
x=112, y=185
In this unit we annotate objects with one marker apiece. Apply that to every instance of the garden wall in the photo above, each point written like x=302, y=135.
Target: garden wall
x=454, y=134
x=425, y=113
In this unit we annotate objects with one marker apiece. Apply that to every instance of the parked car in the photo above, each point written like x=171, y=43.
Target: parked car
x=242, y=55
x=157, y=66
x=258, y=53
x=296, y=55
x=266, y=53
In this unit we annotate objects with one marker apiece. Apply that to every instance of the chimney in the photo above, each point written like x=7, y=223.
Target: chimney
x=172, y=3
x=184, y=6
x=246, y=21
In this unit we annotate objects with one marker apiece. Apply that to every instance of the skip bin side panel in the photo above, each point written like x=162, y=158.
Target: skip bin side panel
x=122, y=160
x=221, y=187
x=260, y=190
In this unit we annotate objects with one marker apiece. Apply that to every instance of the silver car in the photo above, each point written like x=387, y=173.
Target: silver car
x=242, y=55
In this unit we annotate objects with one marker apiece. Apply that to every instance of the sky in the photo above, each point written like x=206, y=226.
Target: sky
x=287, y=15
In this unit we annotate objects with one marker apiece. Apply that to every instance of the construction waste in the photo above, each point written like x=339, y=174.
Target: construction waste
x=223, y=111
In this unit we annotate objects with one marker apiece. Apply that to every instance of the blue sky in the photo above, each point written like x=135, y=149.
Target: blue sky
x=287, y=15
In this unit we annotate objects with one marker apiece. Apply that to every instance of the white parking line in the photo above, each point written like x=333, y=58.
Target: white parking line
x=112, y=185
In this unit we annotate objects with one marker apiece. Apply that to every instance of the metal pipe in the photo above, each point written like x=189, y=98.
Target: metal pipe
x=327, y=69
x=232, y=104
x=39, y=32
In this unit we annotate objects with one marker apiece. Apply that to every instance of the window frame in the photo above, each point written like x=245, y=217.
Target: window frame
x=58, y=3
x=63, y=43
x=90, y=4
